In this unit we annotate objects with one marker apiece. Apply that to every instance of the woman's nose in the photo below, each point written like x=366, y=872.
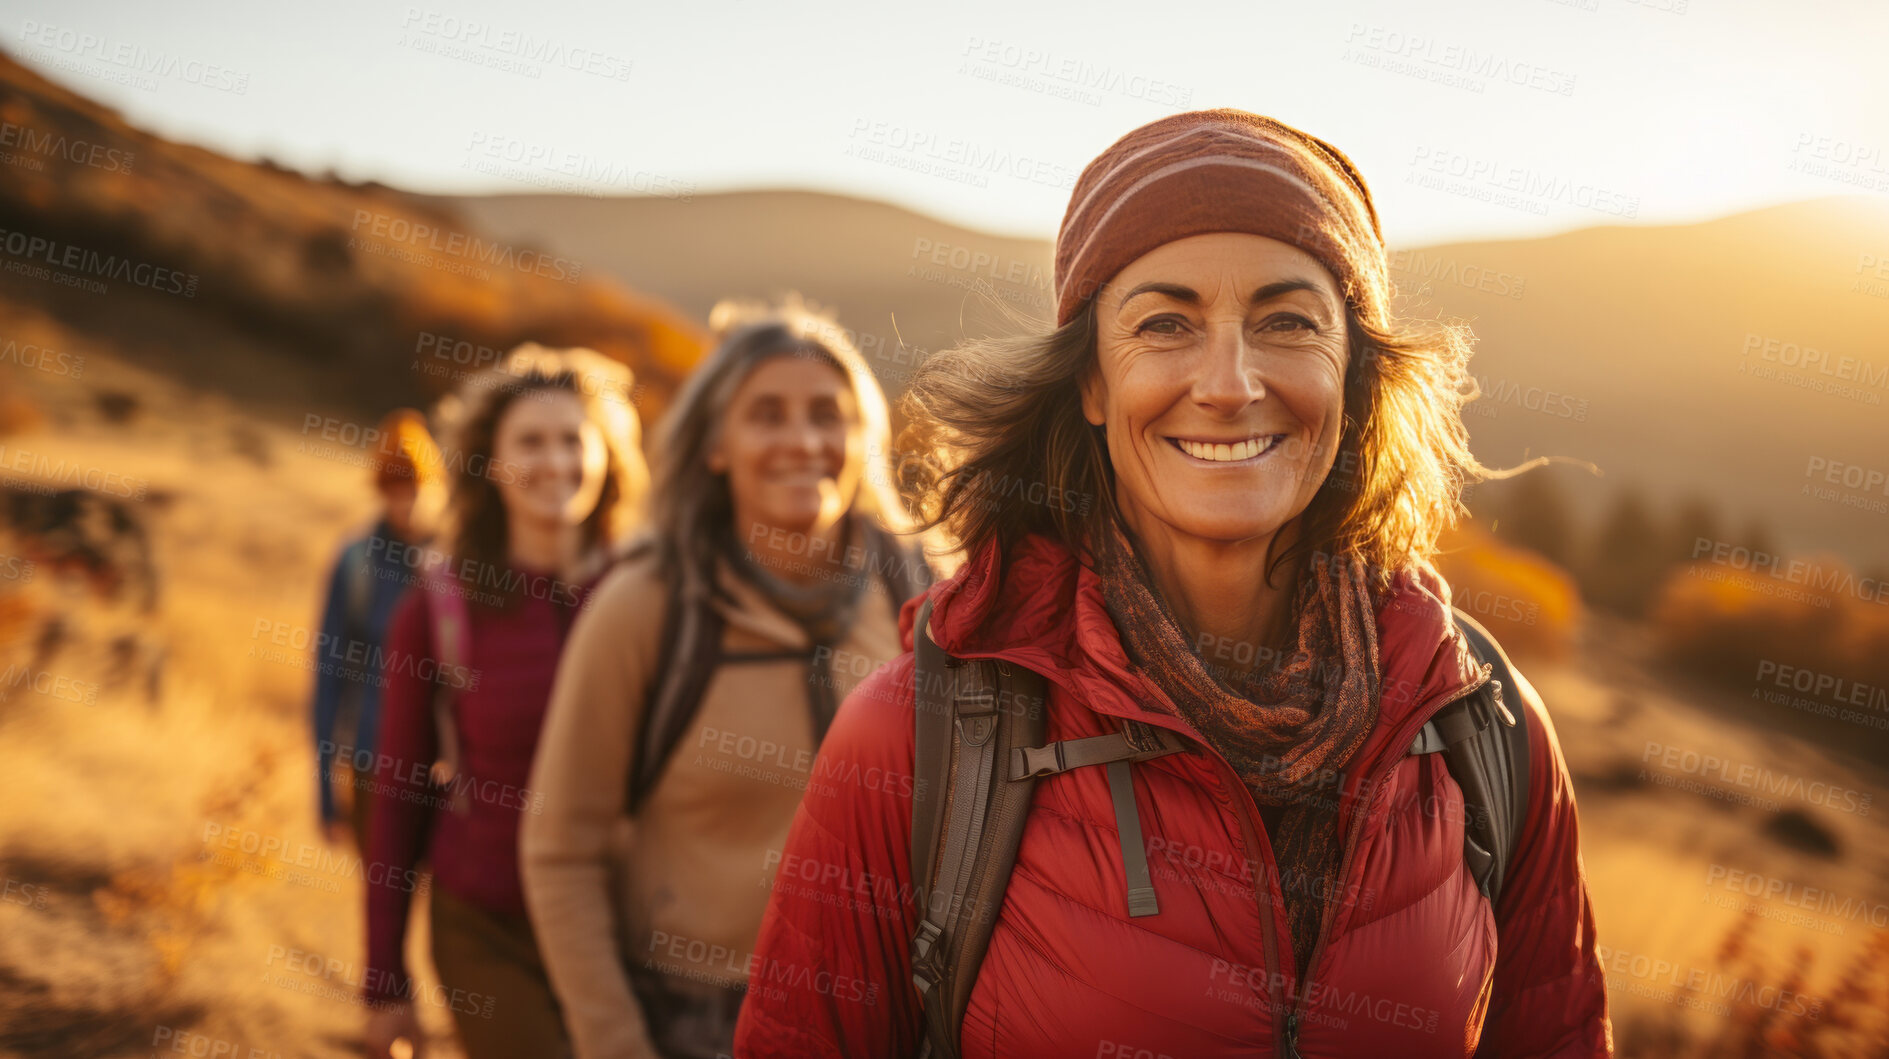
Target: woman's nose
x=1229, y=374
x=807, y=438
x=565, y=459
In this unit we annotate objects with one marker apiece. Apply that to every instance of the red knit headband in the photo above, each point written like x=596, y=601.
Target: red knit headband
x=1220, y=171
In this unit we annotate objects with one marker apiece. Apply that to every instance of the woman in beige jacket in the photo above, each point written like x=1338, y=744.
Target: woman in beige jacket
x=692, y=694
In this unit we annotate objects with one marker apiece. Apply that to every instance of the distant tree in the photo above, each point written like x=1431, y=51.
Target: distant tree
x=1630, y=555
x=1758, y=538
x=1697, y=519
x=1535, y=514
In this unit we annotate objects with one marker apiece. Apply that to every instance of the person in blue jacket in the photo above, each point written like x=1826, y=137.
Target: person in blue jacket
x=368, y=578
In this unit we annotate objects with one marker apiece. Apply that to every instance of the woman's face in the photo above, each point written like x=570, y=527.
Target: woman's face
x=1219, y=376
x=549, y=460
x=791, y=445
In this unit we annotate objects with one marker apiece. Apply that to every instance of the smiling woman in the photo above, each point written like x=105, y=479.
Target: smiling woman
x=546, y=473
x=1272, y=459
x=689, y=706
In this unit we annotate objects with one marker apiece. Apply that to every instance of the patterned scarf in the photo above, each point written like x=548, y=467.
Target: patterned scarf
x=825, y=607
x=1287, y=724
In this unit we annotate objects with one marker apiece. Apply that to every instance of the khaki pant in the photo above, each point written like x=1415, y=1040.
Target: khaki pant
x=502, y=1002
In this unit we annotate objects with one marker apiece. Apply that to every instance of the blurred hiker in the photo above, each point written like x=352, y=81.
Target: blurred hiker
x=366, y=582
x=1206, y=765
x=697, y=685
x=547, y=477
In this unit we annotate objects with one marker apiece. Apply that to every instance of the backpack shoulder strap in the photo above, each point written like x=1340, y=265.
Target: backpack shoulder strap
x=446, y=601
x=931, y=750
x=360, y=590
x=1485, y=745
x=967, y=816
x=690, y=652
x=976, y=758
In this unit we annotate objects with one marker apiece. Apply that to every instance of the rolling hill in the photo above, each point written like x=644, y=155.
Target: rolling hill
x=1635, y=348
x=231, y=273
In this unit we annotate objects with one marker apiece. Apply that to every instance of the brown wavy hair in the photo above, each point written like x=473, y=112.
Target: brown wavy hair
x=475, y=533
x=993, y=418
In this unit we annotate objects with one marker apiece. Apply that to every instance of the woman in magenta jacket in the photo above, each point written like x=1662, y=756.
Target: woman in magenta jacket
x=1238, y=465
x=547, y=475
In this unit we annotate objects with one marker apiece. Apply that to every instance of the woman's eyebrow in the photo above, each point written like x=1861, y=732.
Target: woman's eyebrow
x=1182, y=293
x=1173, y=290
x=1284, y=286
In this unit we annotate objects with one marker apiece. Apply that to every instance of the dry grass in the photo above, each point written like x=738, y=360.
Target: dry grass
x=1705, y=971
x=124, y=929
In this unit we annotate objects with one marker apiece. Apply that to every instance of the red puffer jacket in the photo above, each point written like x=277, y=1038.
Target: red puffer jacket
x=1413, y=962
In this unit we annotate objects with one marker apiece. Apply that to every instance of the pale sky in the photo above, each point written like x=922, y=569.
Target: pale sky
x=1496, y=118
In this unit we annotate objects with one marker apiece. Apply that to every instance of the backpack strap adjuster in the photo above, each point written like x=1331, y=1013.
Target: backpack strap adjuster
x=1031, y=762
x=975, y=708
x=925, y=957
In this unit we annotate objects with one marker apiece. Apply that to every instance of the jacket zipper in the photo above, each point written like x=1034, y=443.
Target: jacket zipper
x=1287, y=1036
x=1410, y=726
x=1266, y=871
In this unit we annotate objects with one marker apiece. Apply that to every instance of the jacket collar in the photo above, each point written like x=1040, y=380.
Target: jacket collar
x=1046, y=613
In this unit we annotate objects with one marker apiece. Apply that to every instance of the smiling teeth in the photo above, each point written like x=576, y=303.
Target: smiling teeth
x=1243, y=450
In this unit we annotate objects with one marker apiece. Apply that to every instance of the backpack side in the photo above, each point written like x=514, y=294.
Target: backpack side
x=1485, y=746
